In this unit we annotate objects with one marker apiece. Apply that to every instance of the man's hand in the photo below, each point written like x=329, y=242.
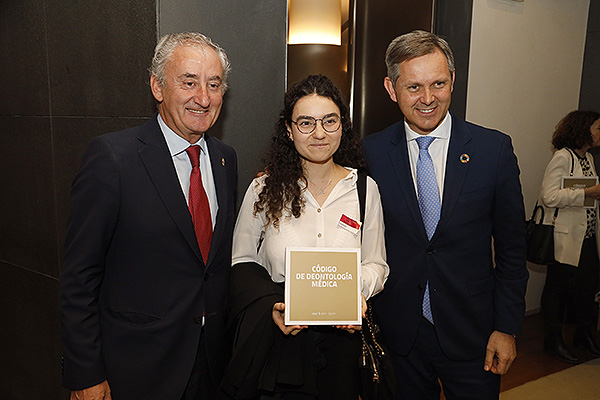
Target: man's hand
x=279, y=319
x=500, y=352
x=99, y=392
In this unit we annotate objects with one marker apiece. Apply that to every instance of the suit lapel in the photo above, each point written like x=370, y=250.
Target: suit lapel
x=155, y=156
x=217, y=162
x=456, y=170
x=401, y=166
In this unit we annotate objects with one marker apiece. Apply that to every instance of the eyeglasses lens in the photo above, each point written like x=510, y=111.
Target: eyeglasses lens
x=308, y=124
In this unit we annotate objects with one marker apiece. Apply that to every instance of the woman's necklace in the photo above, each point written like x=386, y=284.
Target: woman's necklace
x=322, y=189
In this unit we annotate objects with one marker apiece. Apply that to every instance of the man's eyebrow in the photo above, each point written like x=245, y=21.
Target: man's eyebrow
x=188, y=75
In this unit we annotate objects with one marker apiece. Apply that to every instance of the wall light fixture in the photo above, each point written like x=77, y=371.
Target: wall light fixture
x=315, y=22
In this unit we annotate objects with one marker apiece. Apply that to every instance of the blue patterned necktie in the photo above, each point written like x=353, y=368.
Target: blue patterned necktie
x=429, y=202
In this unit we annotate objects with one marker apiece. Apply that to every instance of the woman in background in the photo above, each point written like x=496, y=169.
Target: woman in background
x=310, y=184
x=575, y=235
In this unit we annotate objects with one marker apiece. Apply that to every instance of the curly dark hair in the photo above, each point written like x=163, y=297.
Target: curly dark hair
x=283, y=164
x=573, y=131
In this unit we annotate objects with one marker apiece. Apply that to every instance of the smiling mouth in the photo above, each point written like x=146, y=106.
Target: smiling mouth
x=197, y=111
x=427, y=110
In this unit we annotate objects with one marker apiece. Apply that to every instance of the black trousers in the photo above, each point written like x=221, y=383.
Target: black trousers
x=200, y=385
x=581, y=282
x=418, y=374
x=337, y=354
x=339, y=376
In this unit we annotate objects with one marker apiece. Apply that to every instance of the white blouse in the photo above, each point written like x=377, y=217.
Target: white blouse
x=318, y=226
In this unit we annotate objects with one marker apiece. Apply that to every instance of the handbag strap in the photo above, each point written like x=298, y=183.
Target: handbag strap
x=361, y=187
x=572, y=160
x=538, y=206
x=371, y=328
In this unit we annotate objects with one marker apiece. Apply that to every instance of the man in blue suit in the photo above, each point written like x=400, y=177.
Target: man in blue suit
x=455, y=298
x=145, y=277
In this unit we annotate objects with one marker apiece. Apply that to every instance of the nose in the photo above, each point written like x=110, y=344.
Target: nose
x=319, y=132
x=427, y=96
x=201, y=96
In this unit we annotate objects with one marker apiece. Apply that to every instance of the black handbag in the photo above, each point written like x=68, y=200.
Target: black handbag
x=540, y=238
x=377, y=375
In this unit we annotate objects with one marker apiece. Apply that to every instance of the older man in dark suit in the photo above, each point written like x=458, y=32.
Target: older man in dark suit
x=453, y=211
x=148, y=249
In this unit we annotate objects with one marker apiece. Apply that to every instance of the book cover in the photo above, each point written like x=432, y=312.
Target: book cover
x=322, y=286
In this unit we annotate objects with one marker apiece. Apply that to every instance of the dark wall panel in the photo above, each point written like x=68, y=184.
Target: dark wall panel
x=28, y=212
x=29, y=348
x=453, y=23
x=23, y=70
x=99, y=53
x=590, y=81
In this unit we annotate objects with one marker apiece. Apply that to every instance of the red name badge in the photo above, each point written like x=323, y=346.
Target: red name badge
x=349, y=224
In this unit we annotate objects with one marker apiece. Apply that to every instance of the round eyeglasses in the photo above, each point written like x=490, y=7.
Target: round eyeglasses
x=330, y=123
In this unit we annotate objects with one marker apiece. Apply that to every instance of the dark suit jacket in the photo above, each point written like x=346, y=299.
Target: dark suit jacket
x=482, y=201
x=133, y=283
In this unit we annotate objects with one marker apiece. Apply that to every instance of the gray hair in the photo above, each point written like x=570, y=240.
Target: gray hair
x=168, y=43
x=414, y=44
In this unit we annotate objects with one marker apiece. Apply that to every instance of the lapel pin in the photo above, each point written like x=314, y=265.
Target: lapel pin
x=464, y=158
x=222, y=161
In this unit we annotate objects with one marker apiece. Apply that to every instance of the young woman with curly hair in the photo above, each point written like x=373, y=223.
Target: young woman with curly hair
x=576, y=236
x=310, y=182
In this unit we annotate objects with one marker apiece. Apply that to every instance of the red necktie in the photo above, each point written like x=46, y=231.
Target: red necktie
x=198, y=202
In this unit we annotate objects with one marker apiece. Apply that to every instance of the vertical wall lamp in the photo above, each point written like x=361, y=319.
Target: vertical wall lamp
x=318, y=40
x=315, y=22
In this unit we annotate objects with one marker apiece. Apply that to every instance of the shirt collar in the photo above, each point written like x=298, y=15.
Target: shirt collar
x=176, y=143
x=441, y=132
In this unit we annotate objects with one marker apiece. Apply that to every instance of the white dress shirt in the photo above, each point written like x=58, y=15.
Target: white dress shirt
x=183, y=166
x=438, y=150
x=318, y=226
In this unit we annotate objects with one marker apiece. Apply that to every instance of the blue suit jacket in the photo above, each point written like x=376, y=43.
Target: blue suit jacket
x=133, y=283
x=482, y=208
